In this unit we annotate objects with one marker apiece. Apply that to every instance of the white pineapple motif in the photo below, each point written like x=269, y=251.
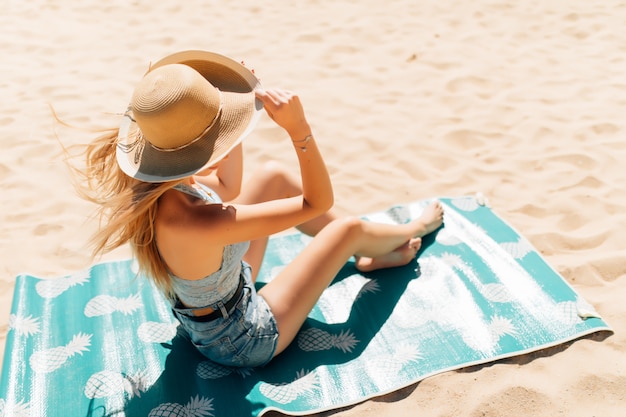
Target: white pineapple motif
x=453, y=260
x=20, y=409
x=305, y=383
x=446, y=237
x=51, y=288
x=337, y=300
x=498, y=293
x=49, y=360
x=108, y=304
x=400, y=214
x=517, y=249
x=370, y=287
x=567, y=313
x=26, y=326
x=156, y=332
x=212, y=370
x=196, y=407
x=386, y=367
x=574, y=312
x=429, y=266
x=314, y=339
x=108, y=383
x=466, y=203
x=501, y=326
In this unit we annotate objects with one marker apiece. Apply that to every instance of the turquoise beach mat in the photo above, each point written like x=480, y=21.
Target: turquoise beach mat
x=102, y=342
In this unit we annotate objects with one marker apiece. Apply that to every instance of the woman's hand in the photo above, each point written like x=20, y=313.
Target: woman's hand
x=285, y=109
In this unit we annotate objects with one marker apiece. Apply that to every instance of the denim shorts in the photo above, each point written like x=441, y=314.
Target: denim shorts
x=245, y=337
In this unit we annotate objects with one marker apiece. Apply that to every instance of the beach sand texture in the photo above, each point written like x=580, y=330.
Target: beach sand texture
x=523, y=101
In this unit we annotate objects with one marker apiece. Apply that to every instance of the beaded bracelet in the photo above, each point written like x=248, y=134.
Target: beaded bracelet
x=305, y=140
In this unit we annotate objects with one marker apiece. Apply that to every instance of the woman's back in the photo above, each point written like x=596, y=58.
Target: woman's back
x=202, y=273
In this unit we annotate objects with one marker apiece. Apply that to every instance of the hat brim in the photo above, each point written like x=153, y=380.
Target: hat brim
x=240, y=113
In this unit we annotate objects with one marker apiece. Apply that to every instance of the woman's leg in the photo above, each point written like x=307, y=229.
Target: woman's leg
x=274, y=181
x=292, y=294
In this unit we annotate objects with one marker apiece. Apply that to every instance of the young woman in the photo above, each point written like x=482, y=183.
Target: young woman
x=159, y=179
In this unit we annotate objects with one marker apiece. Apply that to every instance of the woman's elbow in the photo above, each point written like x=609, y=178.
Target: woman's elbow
x=322, y=205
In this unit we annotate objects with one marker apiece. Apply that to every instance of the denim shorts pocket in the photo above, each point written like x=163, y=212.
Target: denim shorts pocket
x=219, y=350
x=258, y=320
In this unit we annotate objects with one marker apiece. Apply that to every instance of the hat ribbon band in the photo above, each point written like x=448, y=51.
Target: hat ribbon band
x=200, y=136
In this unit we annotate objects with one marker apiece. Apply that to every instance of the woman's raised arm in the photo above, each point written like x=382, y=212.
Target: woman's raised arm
x=229, y=223
x=285, y=109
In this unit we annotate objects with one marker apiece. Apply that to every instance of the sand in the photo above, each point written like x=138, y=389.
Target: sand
x=523, y=101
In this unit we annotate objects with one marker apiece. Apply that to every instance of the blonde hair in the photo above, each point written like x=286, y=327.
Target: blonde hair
x=127, y=207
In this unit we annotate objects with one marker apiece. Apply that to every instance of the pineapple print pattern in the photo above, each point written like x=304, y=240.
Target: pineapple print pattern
x=466, y=203
x=196, y=407
x=574, y=312
x=453, y=261
x=517, y=249
x=316, y=340
x=400, y=214
x=386, y=367
x=447, y=238
x=52, y=288
x=497, y=293
x=108, y=383
x=155, y=332
x=337, y=300
x=101, y=305
x=50, y=360
x=305, y=383
x=501, y=326
x=371, y=287
x=212, y=370
x=26, y=326
x=20, y=409
x=485, y=339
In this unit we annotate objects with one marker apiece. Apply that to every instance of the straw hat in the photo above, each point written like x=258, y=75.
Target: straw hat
x=186, y=114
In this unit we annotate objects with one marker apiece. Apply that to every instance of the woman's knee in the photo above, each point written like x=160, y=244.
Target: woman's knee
x=277, y=179
x=273, y=171
x=271, y=181
x=348, y=227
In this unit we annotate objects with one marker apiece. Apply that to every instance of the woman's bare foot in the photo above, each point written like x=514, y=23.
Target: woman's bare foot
x=429, y=221
x=399, y=257
x=431, y=218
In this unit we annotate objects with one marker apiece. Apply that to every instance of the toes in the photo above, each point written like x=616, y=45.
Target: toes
x=415, y=244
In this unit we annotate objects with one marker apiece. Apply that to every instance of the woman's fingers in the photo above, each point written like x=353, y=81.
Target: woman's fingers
x=263, y=96
x=274, y=96
x=283, y=107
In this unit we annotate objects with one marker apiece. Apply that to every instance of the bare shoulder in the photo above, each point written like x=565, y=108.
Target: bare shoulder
x=182, y=215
